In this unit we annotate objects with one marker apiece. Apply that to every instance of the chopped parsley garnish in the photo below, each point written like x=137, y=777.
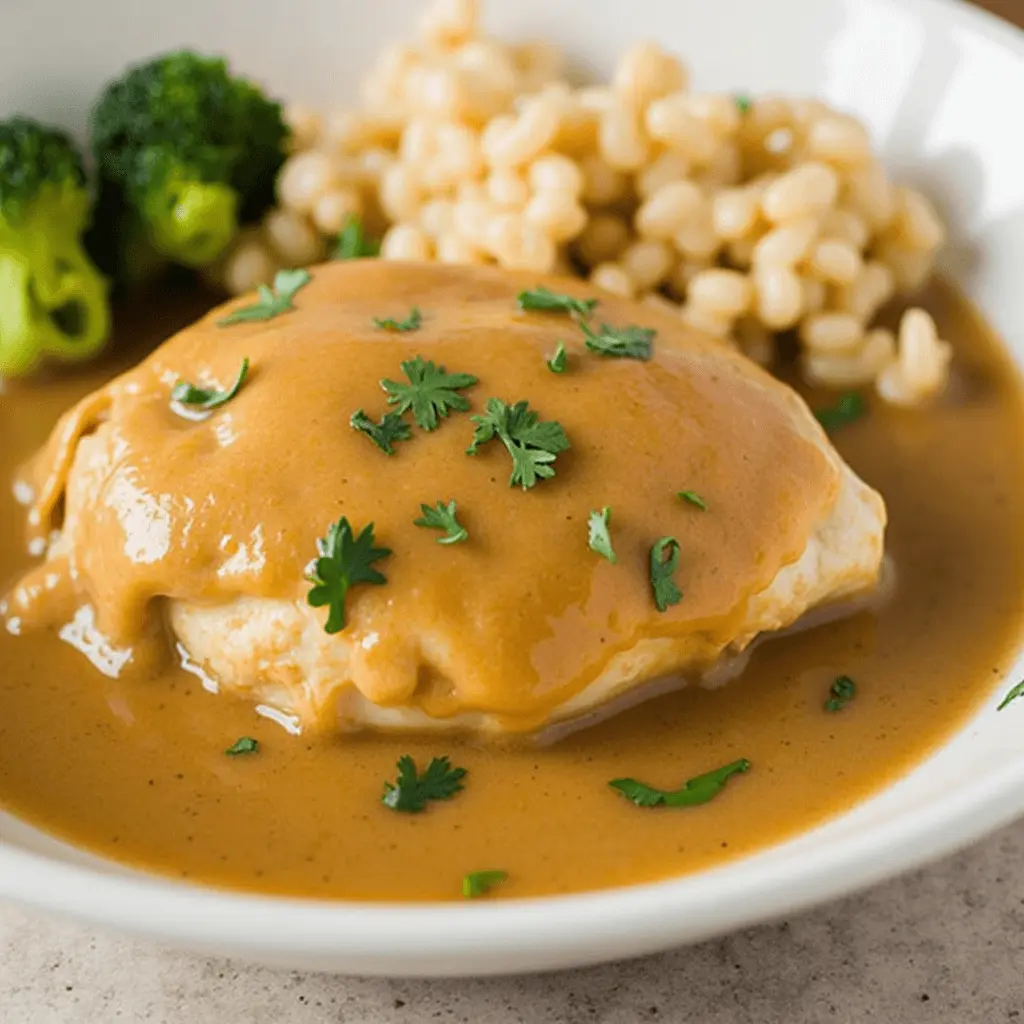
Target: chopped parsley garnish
x=630, y=342
x=532, y=442
x=243, y=745
x=693, y=498
x=271, y=302
x=208, y=398
x=848, y=409
x=410, y=323
x=664, y=562
x=1012, y=694
x=743, y=103
x=557, y=363
x=345, y=559
x=391, y=428
x=598, y=537
x=541, y=299
x=841, y=692
x=477, y=883
x=698, y=790
x=411, y=791
x=431, y=392
x=353, y=243
x=443, y=517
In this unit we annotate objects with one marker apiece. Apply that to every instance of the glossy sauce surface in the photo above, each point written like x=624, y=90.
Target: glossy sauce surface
x=522, y=616
x=136, y=768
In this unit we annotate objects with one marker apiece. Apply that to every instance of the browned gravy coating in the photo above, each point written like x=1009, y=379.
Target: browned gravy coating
x=135, y=768
x=522, y=617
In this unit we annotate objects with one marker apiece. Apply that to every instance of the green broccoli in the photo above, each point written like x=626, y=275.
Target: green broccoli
x=191, y=150
x=53, y=300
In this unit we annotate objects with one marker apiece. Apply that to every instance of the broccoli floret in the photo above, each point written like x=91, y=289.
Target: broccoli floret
x=53, y=300
x=192, y=149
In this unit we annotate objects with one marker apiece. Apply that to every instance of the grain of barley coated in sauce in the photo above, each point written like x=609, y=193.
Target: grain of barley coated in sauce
x=136, y=769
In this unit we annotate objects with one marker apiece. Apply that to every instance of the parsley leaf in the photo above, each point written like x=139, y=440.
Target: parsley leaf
x=541, y=299
x=431, y=392
x=743, y=103
x=842, y=691
x=345, y=559
x=271, y=302
x=203, y=398
x=693, y=498
x=557, y=363
x=665, y=590
x=698, y=790
x=848, y=409
x=411, y=791
x=476, y=883
x=391, y=428
x=442, y=517
x=598, y=537
x=410, y=323
x=533, y=443
x=243, y=745
x=352, y=243
x=630, y=342
x=1012, y=694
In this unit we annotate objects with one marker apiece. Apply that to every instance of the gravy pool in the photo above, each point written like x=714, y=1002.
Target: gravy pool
x=137, y=771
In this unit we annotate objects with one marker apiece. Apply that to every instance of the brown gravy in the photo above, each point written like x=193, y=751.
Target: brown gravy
x=136, y=770
x=207, y=520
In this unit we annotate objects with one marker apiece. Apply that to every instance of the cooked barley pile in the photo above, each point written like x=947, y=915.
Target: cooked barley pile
x=750, y=216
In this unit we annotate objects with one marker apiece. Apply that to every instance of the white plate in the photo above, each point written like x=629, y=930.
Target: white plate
x=939, y=84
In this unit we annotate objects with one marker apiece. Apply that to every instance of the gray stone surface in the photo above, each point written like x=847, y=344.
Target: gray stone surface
x=943, y=945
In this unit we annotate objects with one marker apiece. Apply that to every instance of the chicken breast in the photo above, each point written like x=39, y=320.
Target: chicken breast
x=206, y=526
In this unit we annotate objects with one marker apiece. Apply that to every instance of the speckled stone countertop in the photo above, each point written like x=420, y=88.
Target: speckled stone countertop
x=943, y=945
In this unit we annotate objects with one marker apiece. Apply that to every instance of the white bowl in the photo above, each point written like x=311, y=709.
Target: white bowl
x=938, y=84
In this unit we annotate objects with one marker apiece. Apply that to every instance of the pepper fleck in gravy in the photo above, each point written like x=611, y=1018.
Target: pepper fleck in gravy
x=136, y=769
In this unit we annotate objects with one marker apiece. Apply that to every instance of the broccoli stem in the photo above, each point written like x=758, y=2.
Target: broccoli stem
x=191, y=222
x=19, y=343
x=53, y=301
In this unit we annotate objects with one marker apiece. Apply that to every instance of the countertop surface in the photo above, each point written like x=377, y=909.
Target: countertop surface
x=943, y=946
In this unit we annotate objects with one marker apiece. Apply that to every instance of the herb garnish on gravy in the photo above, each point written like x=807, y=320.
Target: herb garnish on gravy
x=698, y=790
x=598, y=536
x=390, y=429
x=272, y=301
x=443, y=517
x=693, y=498
x=413, y=790
x=478, y=883
x=541, y=299
x=842, y=691
x=345, y=559
x=558, y=362
x=431, y=392
x=243, y=745
x=208, y=398
x=630, y=342
x=412, y=322
x=1011, y=695
x=532, y=442
x=664, y=562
